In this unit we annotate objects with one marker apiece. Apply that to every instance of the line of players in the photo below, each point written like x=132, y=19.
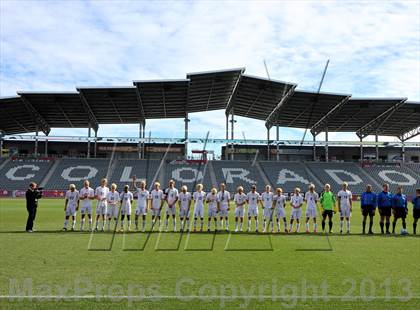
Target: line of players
x=115, y=206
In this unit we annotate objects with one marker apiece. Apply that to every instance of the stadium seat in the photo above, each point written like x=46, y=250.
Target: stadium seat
x=17, y=174
x=76, y=171
x=236, y=173
x=188, y=174
x=288, y=175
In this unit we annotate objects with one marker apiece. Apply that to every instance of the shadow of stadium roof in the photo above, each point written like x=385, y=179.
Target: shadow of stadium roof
x=272, y=101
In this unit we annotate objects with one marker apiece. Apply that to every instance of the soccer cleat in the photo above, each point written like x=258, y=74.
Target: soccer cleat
x=341, y=231
x=348, y=232
x=208, y=230
x=29, y=231
x=370, y=232
x=256, y=231
x=236, y=229
x=64, y=229
x=315, y=231
x=307, y=231
x=286, y=231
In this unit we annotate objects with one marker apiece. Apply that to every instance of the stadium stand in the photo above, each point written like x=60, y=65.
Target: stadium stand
x=17, y=174
x=236, y=173
x=143, y=169
x=337, y=173
x=415, y=167
x=76, y=171
x=394, y=175
x=288, y=175
x=188, y=174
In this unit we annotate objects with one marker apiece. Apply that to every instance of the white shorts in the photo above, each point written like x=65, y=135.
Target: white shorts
x=199, y=211
x=267, y=213
x=86, y=210
x=125, y=210
x=171, y=211
x=280, y=212
x=71, y=211
x=212, y=212
x=141, y=210
x=345, y=212
x=296, y=213
x=184, y=213
x=252, y=211
x=224, y=212
x=239, y=212
x=156, y=212
x=101, y=209
x=112, y=211
x=311, y=212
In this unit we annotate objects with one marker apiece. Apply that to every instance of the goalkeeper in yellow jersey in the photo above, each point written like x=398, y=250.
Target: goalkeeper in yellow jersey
x=327, y=201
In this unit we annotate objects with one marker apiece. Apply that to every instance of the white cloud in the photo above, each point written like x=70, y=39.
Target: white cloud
x=373, y=48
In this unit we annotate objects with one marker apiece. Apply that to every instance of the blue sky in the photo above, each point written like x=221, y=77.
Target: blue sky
x=373, y=47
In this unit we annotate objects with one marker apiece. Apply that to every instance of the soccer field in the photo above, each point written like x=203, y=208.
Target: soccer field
x=69, y=270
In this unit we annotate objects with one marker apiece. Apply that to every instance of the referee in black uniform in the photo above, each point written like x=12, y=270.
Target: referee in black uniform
x=32, y=196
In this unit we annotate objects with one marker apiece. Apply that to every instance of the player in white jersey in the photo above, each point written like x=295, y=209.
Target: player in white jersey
x=253, y=198
x=345, y=206
x=171, y=197
x=296, y=200
x=199, y=196
x=71, y=206
x=184, y=201
x=223, y=199
x=212, y=208
x=100, y=193
x=126, y=200
x=112, y=199
x=240, y=201
x=279, y=200
x=267, y=199
x=158, y=199
x=311, y=198
x=143, y=198
x=86, y=195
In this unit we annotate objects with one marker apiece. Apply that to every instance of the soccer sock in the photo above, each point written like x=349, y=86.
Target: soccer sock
x=271, y=225
x=227, y=223
x=265, y=225
x=136, y=222
x=284, y=223
x=143, y=224
x=404, y=225
x=166, y=223
x=382, y=226
x=370, y=225
x=103, y=224
x=90, y=224
x=341, y=225
x=240, y=226
x=278, y=225
x=330, y=224
x=65, y=223
x=188, y=224
x=256, y=224
x=195, y=223
x=208, y=224
x=414, y=228
x=73, y=224
x=387, y=226
x=307, y=225
x=129, y=224
x=82, y=222
x=122, y=224
x=96, y=224
x=393, y=226
x=249, y=224
x=297, y=227
x=323, y=225
x=109, y=224
x=348, y=225
x=174, y=220
x=315, y=226
x=236, y=225
x=201, y=223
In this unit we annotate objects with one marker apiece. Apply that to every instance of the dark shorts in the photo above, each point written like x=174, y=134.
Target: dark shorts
x=416, y=213
x=328, y=213
x=400, y=213
x=385, y=211
x=368, y=210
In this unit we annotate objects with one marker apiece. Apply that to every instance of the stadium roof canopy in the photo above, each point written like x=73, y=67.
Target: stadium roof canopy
x=64, y=110
x=258, y=97
x=304, y=109
x=212, y=90
x=163, y=98
x=275, y=102
x=112, y=105
x=355, y=113
x=15, y=117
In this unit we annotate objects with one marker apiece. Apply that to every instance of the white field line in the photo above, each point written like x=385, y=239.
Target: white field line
x=210, y=297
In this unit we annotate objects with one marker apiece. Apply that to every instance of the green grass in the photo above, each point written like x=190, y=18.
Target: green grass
x=204, y=264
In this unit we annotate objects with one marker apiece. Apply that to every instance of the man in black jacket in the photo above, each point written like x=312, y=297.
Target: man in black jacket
x=32, y=196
